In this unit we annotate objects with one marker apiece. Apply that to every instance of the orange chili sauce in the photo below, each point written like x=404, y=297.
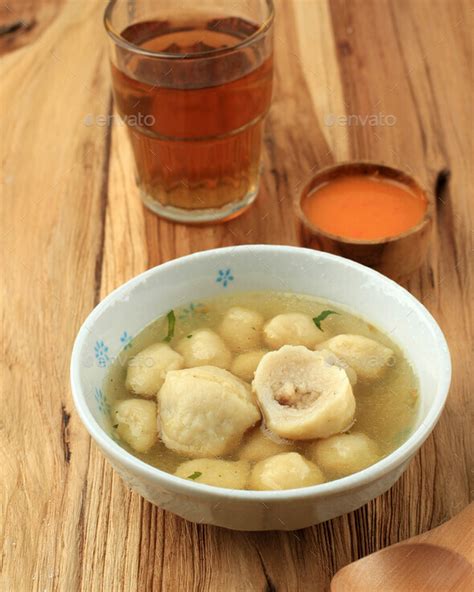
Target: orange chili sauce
x=364, y=207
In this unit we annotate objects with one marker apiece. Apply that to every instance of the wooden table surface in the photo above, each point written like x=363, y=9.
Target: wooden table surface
x=73, y=229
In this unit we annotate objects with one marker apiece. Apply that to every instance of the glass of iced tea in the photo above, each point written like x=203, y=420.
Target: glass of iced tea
x=192, y=80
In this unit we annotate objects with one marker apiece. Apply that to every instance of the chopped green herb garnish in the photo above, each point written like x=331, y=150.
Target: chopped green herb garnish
x=188, y=336
x=171, y=323
x=115, y=426
x=320, y=318
x=194, y=476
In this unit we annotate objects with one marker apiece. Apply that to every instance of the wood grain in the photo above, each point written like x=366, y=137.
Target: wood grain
x=72, y=229
x=22, y=22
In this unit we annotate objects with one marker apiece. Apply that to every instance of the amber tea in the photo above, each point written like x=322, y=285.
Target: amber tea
x=195, y=120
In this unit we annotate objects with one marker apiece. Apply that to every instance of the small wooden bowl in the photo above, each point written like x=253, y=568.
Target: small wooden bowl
x=394, y=256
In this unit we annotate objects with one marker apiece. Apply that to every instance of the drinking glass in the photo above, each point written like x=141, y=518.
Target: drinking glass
x=192, y=81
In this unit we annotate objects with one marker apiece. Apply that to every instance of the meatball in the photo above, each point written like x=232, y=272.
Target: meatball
x=241, y=328
x=212, y=471
x=204, y=348
x=244, y=365
x=205, y=411
x=136, y=423
x=301, y=396
x=147, y=370
x=333, y=360
x=344, y=454
x=292, y=329
x=258, y=446
x=367, y=357
x=289, y=470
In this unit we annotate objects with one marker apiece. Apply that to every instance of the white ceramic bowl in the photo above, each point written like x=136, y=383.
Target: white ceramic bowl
x=369, y=294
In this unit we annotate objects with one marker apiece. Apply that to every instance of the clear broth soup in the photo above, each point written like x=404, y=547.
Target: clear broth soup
x=255, y=456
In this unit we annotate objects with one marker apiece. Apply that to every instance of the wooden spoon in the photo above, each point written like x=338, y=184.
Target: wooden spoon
x=438, y=560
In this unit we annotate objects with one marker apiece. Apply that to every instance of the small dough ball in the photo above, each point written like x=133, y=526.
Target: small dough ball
x=367, y=357
x=289, y=470
x=204, y=348
x=292, y=328
x=333, y=360
x=212, y=471
x=344, y=454
x=244, y=365
x=205, y=411
x=241, y=328
x=147, y=370
x=136, y=423
x=258, y=446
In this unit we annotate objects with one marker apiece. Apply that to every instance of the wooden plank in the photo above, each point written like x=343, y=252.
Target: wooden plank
x=423, y=141
x=52, y=194
x=73, y=229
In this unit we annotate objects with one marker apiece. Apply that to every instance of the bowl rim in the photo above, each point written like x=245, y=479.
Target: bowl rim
x=377, y=167
x=177, y=484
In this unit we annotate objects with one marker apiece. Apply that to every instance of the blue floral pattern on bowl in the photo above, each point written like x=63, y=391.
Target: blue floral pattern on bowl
x=101, y=353
x=224, y=276
x=102, y=403
x=193, y=310
x=126, y=340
